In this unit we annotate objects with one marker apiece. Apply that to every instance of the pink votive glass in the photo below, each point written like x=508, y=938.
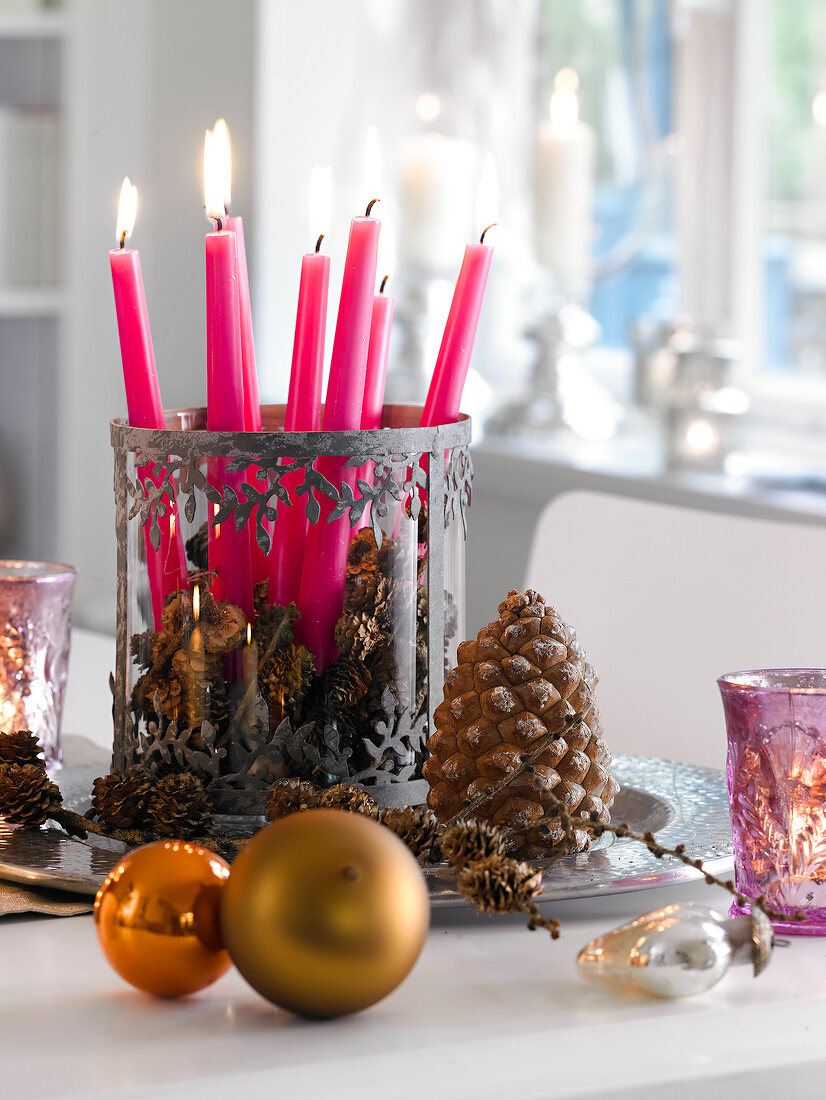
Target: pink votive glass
x=35, y=631
x=776, y=723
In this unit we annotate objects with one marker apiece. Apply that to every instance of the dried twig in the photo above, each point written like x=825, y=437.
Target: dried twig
x=79, y=826
x=623, y=831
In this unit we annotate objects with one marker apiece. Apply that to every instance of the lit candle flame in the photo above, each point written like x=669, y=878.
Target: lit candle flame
x=220, y=138
x=320, y=199
x=217, y=173
x=372, y=164
x=249, y=633
x=127, y=211
x=428, y=107
x=564, y=105
x=196, y=603
x=487, y=197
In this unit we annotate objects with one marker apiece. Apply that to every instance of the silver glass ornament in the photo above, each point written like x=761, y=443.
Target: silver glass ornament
x=676, y=951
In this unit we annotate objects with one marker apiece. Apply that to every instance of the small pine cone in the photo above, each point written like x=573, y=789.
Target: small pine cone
x=358, y=634
x=196, y=548
x=120, y=801
x=353, y=799
x=141, y=648
x=469, y=841
x=418, y=828
x=228, y=632
x=360, y=593
x=179, y=807
x=291, y=796
x=497, y=884
x=362, y=556
x=285, y=679
x=176, y=612
x=20, y=747
x=27, y=795
x=169, y=697
x=346, y=682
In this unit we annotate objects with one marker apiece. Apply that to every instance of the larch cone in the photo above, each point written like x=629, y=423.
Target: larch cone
x=524, y=677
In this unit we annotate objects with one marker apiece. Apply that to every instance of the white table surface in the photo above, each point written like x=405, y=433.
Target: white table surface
x=490, y=1010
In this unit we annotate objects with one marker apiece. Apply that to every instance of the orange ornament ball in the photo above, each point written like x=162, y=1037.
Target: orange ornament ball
x=325, y=912
x=157, y=918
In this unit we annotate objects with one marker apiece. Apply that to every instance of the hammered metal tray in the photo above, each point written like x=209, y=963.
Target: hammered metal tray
x=681, y=803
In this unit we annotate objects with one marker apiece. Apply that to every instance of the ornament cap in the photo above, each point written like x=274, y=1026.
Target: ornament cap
x=752, y=939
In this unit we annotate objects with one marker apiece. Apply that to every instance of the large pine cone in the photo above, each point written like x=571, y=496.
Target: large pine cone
x=27, y=795
x=120, y=801
x=523, y=677
x=179, y=807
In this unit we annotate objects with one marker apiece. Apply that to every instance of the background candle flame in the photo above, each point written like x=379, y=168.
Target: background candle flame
x=127, y=210
x=564, y=105
x=320, y=199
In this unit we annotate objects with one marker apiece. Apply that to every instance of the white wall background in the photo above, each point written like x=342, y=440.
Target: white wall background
x=143, y=81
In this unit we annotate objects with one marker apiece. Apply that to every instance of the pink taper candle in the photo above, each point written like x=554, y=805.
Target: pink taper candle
x=377, y=352
x=166, y=566
x=252, y=402
x=303, y=414
x=252, y=406
x=380, y=328
x=445, y=393
x=229, y=550
x=321, y=595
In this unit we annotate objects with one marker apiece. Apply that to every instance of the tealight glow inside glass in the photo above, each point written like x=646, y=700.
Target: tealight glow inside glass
x=776, y=723
x=36, y=610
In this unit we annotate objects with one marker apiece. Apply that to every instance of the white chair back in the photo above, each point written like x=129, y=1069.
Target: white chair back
x=666, y=599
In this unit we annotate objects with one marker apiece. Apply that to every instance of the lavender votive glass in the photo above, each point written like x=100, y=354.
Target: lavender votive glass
x=776, y=722
x=35, y=631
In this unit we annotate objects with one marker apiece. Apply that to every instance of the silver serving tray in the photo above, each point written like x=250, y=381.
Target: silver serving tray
x=681, y=803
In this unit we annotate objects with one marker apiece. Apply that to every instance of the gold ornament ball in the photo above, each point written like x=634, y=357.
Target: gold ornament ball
x=325, y=912
x=157, y=918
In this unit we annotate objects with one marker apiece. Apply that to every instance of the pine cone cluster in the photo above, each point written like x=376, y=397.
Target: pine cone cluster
x=374, y=596
x=175, y=806
x=524, y=679
x=183, y=662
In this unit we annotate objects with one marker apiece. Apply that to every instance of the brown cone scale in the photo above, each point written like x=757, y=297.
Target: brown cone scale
x=525, y=676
